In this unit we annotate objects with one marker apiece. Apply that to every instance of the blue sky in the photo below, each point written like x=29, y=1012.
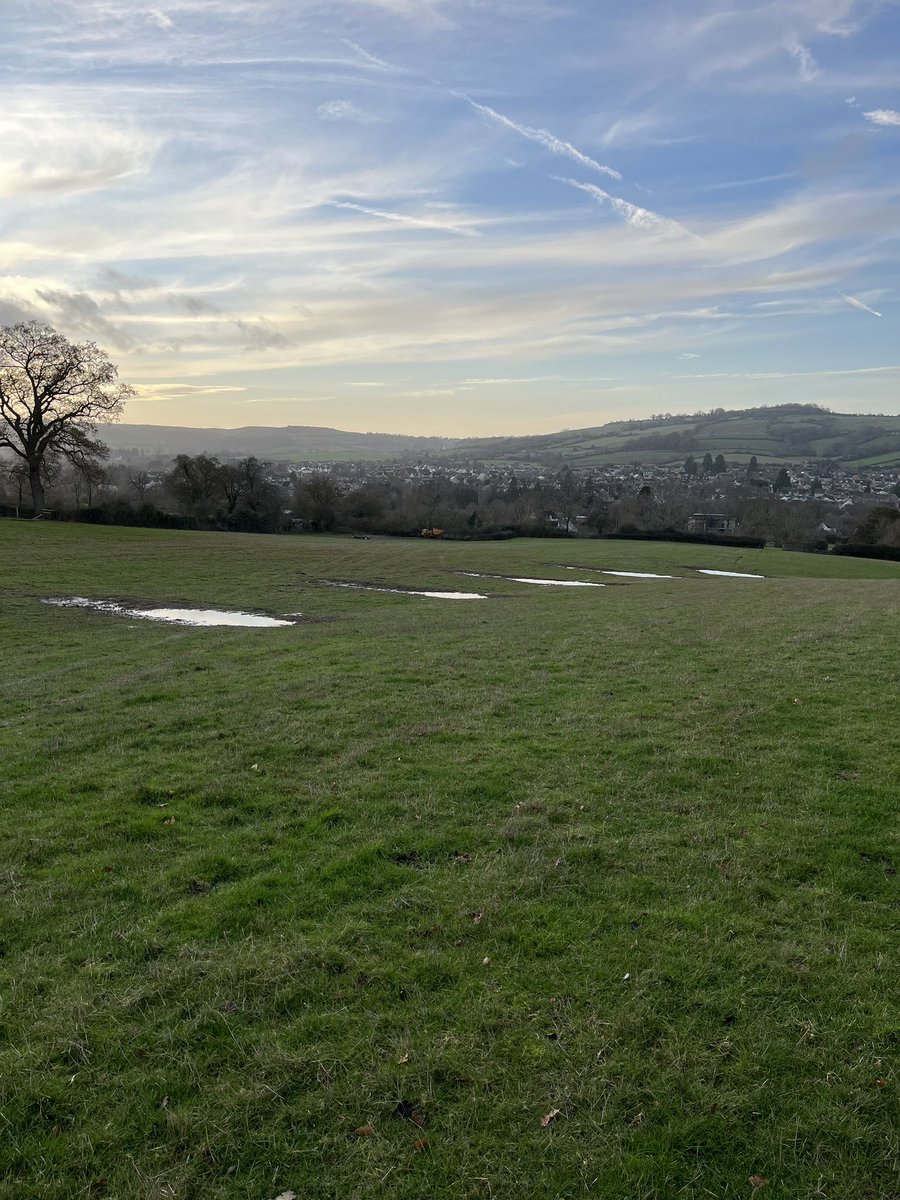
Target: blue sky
x=458, y=216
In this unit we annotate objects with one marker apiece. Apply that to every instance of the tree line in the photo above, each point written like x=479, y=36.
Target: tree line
x=53, y=394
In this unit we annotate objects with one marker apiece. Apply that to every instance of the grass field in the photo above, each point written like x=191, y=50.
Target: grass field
x=564, y=893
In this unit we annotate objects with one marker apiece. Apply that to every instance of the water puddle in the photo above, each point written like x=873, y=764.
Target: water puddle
x=527, y=579
x=175, y=616
x=370, y=587
x=623, y=574
x=637, y=575
x=729, y=574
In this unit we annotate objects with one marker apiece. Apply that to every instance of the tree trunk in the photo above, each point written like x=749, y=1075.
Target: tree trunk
x=37, y=488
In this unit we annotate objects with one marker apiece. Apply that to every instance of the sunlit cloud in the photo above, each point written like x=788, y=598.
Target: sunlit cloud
x=278, y=196
x=883, y=116
x=857, y=303
x=543, y=138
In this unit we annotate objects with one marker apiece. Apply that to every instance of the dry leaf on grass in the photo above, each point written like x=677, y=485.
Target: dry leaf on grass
x=365, y=1131
x=758, y=1181
x=551, y=1117
x=287, y=1196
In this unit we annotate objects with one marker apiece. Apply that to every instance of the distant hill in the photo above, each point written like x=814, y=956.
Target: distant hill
x=785, y=433
x=293, y=443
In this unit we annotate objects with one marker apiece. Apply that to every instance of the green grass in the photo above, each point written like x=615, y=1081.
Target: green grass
x=440, y=869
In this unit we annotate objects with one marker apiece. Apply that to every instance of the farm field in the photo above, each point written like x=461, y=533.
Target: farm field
x=566, y=892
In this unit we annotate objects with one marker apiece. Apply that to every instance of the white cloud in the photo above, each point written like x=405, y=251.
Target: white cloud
x=640, y=218
x=796, y=374
x=543, y=137
x=48, y=149
x=161, y=19
x=405, y=219
x=856, y=303
x=372, y=59
x=803, y=56
x=883, y=116
x=346, y=110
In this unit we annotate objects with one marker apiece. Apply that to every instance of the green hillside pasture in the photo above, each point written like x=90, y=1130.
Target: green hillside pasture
x=564, y=893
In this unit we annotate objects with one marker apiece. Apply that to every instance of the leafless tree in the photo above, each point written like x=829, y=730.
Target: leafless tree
x=52, y=395
x=140, y=483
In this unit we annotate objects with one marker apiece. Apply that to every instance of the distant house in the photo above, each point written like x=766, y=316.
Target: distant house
x=711, y=523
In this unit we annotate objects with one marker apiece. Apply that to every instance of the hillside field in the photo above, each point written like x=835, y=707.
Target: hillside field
x=567, y=892
x=779, y=433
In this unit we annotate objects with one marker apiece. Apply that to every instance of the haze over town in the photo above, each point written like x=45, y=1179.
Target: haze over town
x=458, y=218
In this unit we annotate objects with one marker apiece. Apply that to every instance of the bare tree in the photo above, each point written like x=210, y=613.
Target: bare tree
x=87, y=474
x=140, y=483
x=52, y=395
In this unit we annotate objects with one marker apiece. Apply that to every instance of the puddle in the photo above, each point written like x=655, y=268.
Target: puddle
x=527, y=579
x=729, y=574
x=175, y=616
x=638, y=575
x=369, y=587
x=557, y=582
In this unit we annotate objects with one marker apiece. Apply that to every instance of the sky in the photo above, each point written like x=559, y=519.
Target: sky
x=458, y=217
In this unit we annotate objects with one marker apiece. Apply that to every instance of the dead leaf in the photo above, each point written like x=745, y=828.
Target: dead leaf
x=485, y=962
x=419, y=1118
x=421, y=1144
x=165, y=1102
x=404, y=1058
x=287, y=1196
x=365, y=1131
x=758, y=1181
x=169, y=821
x=637, y=1121
x=550, y=1117
x=477, y=918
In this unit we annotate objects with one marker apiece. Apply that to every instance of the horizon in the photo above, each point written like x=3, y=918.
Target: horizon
x=639, y=419
x=459, y=219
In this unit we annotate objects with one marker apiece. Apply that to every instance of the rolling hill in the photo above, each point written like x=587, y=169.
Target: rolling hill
x=299, y=443
x=786, y=433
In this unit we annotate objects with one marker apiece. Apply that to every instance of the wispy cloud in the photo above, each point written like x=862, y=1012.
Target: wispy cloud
x=802, y=55
x=883, y=116
x=372, y=59
x=857, y=303
x=346, y=110
x=161, y=19
x=542, y=137
x=640, y=218
x=405, y=219
x=796, y=374
x=173, y=391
